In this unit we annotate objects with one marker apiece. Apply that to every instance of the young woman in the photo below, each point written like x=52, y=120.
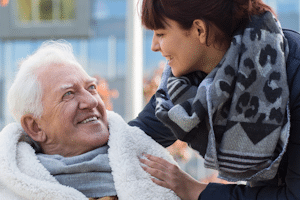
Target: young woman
x=231, y=90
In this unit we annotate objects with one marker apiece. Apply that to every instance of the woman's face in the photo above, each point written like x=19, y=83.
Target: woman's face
x=182, y=48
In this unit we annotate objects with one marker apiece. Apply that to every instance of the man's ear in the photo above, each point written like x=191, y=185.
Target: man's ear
x=201, y=29
x=31, y=127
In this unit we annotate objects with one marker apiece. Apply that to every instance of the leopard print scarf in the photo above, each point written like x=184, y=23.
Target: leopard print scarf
x=239, y=111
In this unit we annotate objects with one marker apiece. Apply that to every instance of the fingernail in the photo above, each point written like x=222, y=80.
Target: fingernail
x=144, y=154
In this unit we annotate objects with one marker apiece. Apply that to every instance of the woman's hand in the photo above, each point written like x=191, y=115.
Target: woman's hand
x=171, y=176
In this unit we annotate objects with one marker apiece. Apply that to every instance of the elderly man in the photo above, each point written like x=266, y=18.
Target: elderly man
x=64, y=144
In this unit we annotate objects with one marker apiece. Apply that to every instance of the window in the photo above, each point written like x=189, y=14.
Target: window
x=24, y=10
x=45, y=10
x=34, y=19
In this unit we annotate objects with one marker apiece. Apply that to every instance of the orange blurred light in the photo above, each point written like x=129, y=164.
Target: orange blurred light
x=4, y=3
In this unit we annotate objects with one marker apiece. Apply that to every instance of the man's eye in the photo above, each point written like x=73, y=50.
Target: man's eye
x=92, y=87
x=159, y=35
x=67, y=94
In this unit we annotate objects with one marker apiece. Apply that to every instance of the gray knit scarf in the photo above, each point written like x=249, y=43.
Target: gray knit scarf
x=239, y=111
x=90, y=173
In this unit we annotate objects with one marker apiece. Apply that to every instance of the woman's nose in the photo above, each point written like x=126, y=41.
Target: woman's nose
x=155, y=46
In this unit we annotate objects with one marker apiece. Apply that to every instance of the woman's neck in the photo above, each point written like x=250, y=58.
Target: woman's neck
x=213, y=57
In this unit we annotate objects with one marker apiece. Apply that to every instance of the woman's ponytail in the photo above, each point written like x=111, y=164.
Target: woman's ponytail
x=247, y=8
x=242, y=10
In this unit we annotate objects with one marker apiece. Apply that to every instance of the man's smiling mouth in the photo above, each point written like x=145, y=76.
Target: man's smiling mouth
x=88, y=120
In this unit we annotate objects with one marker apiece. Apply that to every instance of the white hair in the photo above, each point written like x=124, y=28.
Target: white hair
x=25, y=94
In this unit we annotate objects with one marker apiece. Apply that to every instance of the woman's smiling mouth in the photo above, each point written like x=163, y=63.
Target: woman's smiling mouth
x=169, y=58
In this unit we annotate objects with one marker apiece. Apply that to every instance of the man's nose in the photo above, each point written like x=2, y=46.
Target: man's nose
x=87, y=101
x=155, y=46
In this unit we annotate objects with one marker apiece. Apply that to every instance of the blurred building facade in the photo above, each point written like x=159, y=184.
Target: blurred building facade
x=95, y=28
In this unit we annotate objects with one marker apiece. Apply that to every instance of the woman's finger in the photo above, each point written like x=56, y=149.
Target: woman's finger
x=155, y=173
x=153, y=164
x=156, y=159
x=171, y=176
x=159, y=177
x=163, y=165
x=161, y=183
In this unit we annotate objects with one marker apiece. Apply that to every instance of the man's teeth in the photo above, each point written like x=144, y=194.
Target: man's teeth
x=88, y=120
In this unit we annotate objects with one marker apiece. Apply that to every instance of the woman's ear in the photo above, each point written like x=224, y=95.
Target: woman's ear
x=200, y=26
x=31, y=127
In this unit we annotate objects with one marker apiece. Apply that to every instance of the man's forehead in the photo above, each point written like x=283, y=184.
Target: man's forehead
x=59, y=77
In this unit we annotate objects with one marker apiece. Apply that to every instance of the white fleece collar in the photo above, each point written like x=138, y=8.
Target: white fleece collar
x=23, y=177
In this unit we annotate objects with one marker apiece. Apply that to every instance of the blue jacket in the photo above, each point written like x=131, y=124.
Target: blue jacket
x=286, y=184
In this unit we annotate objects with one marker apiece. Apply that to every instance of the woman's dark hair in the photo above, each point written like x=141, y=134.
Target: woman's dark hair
x=226, y=15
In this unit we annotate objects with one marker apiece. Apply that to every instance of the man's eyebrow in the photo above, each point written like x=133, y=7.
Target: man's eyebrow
x=64, y=87
x=67, y=86
x=92, y=79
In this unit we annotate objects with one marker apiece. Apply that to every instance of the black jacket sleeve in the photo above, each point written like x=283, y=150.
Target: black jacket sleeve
x=148, y=122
